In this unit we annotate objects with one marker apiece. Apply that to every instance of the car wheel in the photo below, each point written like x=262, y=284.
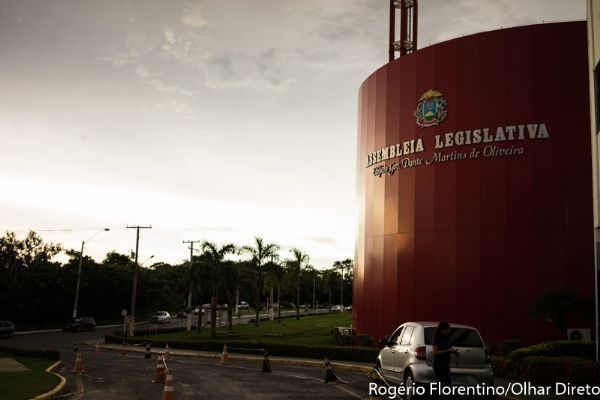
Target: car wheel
x=409, y=384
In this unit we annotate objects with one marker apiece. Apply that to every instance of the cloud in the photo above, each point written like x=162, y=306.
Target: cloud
x=324, y=240
x=176, y=106
x=192, y=16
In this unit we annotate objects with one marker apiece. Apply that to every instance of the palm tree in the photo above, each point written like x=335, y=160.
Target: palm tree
x=295, y=266
x=341, y=265
x=275, y=274
x=328, y=281
x=231, y=277
x=259, y=255
x=215, y=259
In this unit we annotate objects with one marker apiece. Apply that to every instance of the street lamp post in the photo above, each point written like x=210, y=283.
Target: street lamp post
x=79, y=271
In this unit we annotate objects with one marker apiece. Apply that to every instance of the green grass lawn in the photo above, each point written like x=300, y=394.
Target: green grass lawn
x=27, y=384
x=309, y=330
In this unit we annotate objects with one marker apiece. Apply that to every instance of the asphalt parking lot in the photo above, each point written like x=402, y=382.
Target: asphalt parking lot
x=109, y=375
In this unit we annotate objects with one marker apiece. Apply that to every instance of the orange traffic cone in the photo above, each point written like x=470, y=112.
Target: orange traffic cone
x=167, y=353
x=159, y=372
x=123, y=351
x=169, y=392
x=98, y=350
x=224, y=355
x=78, y=367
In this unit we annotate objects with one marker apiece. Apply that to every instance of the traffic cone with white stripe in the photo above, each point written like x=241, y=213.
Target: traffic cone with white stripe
x=169, y=392
x=167, y=355
x=159, y=372
x=78, y=367
x=98, y=350
x=224, y=355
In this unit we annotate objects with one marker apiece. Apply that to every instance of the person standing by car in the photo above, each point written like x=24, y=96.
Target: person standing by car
x=442, y=352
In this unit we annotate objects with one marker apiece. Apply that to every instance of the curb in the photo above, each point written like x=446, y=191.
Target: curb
x=258, y=359
x=59, y=388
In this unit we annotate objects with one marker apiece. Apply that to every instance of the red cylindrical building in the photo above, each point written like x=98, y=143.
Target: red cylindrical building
x=474, y=183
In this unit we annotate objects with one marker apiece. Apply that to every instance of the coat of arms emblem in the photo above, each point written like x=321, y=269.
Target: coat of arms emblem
x=431, y=109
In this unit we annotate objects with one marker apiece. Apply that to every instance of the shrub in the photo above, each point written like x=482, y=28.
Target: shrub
x=504, y=348
x=549, y=370
x=563, y=348
x=365, y=340
x=503, y=367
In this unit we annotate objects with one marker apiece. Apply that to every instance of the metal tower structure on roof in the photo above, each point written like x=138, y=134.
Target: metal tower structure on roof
x=408, y=27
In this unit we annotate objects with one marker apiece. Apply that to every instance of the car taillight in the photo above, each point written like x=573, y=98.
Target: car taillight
x=421, y=353
x=488, y=358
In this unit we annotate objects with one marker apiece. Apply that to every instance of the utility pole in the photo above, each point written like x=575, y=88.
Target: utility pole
x=135, y=277
x=189, y=302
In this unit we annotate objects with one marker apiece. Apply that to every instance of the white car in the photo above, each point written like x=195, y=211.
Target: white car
x=161, y=316
x=407, y=357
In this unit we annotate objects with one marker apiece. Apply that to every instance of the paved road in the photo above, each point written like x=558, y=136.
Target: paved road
x=108, y=375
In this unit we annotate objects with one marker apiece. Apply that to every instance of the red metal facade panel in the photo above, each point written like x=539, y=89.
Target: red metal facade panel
x=473, y=232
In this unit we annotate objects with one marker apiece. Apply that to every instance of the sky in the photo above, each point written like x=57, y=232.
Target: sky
x=204, y=119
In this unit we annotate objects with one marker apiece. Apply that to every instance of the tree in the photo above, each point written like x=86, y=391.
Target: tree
x=275, y=274
x=295, y=266
x=555, y=304
x=231, y=276
x=214, y=258
x=342, y=265
x=17, y=255
x=30, y=280
x=259, y=255
x=329, y=280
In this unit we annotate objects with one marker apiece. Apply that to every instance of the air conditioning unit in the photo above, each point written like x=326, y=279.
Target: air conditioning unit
x=579, y=334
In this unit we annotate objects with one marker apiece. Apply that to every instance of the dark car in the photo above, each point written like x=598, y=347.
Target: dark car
x=7, y=328
x=80, y=324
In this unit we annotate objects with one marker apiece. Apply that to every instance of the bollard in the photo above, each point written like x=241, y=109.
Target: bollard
x=266, y=367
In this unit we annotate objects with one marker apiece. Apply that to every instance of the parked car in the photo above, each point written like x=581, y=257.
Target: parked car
x=243, y=305
x=7, y=328
x=80, y=324
x=161, y=317
x=337, y=308
x=407, y=356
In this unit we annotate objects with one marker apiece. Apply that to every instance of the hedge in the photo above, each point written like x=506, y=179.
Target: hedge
x=547, y=363
x=53, y=355
x=562, y=348
x=345, y=353
x=549, y=370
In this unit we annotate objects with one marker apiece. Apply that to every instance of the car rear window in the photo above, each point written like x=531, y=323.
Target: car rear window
x=459, y=337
